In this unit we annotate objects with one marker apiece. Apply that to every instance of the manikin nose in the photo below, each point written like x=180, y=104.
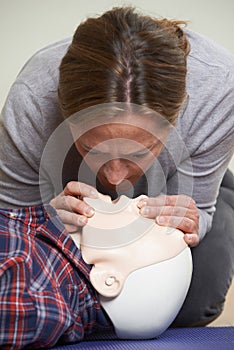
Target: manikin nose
x=115, y=171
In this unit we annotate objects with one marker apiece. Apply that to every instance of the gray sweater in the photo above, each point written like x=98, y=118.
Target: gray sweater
x=193, y=162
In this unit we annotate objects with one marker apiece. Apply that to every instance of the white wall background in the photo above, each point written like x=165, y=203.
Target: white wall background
x=28, y=25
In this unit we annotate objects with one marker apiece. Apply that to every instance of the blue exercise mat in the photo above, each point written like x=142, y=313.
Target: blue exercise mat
x=207, y=338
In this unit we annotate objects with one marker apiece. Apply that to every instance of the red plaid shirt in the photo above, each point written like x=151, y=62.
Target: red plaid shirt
x=45, y=293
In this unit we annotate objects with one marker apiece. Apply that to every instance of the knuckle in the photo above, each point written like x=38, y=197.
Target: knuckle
x=194, y=227
x=177, y=211
x=157, y=211
x=187, y=200
x=184, y=197
x=69, y=186
x=193, y=204
x=75, y=219
x=187, y=224
x=73, y=187
x=168, y=200
x=66, y=202
x=162, y=200
x=173, y=221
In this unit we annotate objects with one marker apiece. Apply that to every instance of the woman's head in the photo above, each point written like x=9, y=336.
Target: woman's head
x=123, y=56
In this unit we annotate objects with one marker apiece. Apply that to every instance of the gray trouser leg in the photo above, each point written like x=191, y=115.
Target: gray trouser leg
x=213, y=263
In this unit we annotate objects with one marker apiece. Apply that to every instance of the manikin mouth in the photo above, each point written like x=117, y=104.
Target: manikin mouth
x=122, y=186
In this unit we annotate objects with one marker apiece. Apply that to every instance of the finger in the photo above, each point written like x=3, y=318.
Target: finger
x=66, y=202
x=153, y=212
x=182, y=223
x=71, y=218
x=164, y=200
x=76, y=188
x=192, y=239
x=71, y=228
x=73, y=204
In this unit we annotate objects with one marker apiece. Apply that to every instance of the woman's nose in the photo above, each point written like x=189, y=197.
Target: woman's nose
x=115, y=171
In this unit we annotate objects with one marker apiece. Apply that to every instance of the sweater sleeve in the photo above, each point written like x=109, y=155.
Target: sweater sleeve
x=212, y=139
x=30, y=115
x=23, y=135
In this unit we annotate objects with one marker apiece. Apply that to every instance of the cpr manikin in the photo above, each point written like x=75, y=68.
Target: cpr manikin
x=141, y=271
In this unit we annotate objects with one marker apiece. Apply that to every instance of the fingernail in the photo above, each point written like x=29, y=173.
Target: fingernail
x=189, y=238
x=144, y=211
x=89, y=211
x=141, y=204
x=94, y=194
x=161, y=220
x=82, y=221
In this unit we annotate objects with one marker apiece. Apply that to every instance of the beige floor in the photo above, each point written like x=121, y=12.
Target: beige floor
x=227, y=316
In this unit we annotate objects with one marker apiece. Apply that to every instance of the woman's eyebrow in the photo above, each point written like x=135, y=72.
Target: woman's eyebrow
x=85, y=146
x=144, y=149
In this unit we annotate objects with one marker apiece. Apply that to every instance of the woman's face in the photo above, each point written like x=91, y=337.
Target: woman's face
x=118, y=154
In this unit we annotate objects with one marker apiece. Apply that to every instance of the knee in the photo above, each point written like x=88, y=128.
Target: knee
x=197, y=314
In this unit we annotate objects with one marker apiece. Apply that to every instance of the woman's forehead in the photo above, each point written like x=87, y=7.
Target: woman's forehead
x=126, y=125
x=117, y=131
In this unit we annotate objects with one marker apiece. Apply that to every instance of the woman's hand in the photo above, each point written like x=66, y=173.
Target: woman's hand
x=178, y=211
x=71, y=208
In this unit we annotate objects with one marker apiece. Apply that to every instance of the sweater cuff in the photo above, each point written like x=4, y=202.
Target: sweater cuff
x=205, y=223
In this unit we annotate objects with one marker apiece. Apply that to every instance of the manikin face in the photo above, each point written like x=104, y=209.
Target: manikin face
x=119, y=153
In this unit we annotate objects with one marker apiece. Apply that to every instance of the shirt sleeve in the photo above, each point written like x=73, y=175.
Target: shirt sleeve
x=28, y=317
x=18, y=313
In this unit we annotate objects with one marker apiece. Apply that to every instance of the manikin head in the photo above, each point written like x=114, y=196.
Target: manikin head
x=142, y=271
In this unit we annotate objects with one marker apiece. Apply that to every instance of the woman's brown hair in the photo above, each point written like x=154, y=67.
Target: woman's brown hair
x=123, y=56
